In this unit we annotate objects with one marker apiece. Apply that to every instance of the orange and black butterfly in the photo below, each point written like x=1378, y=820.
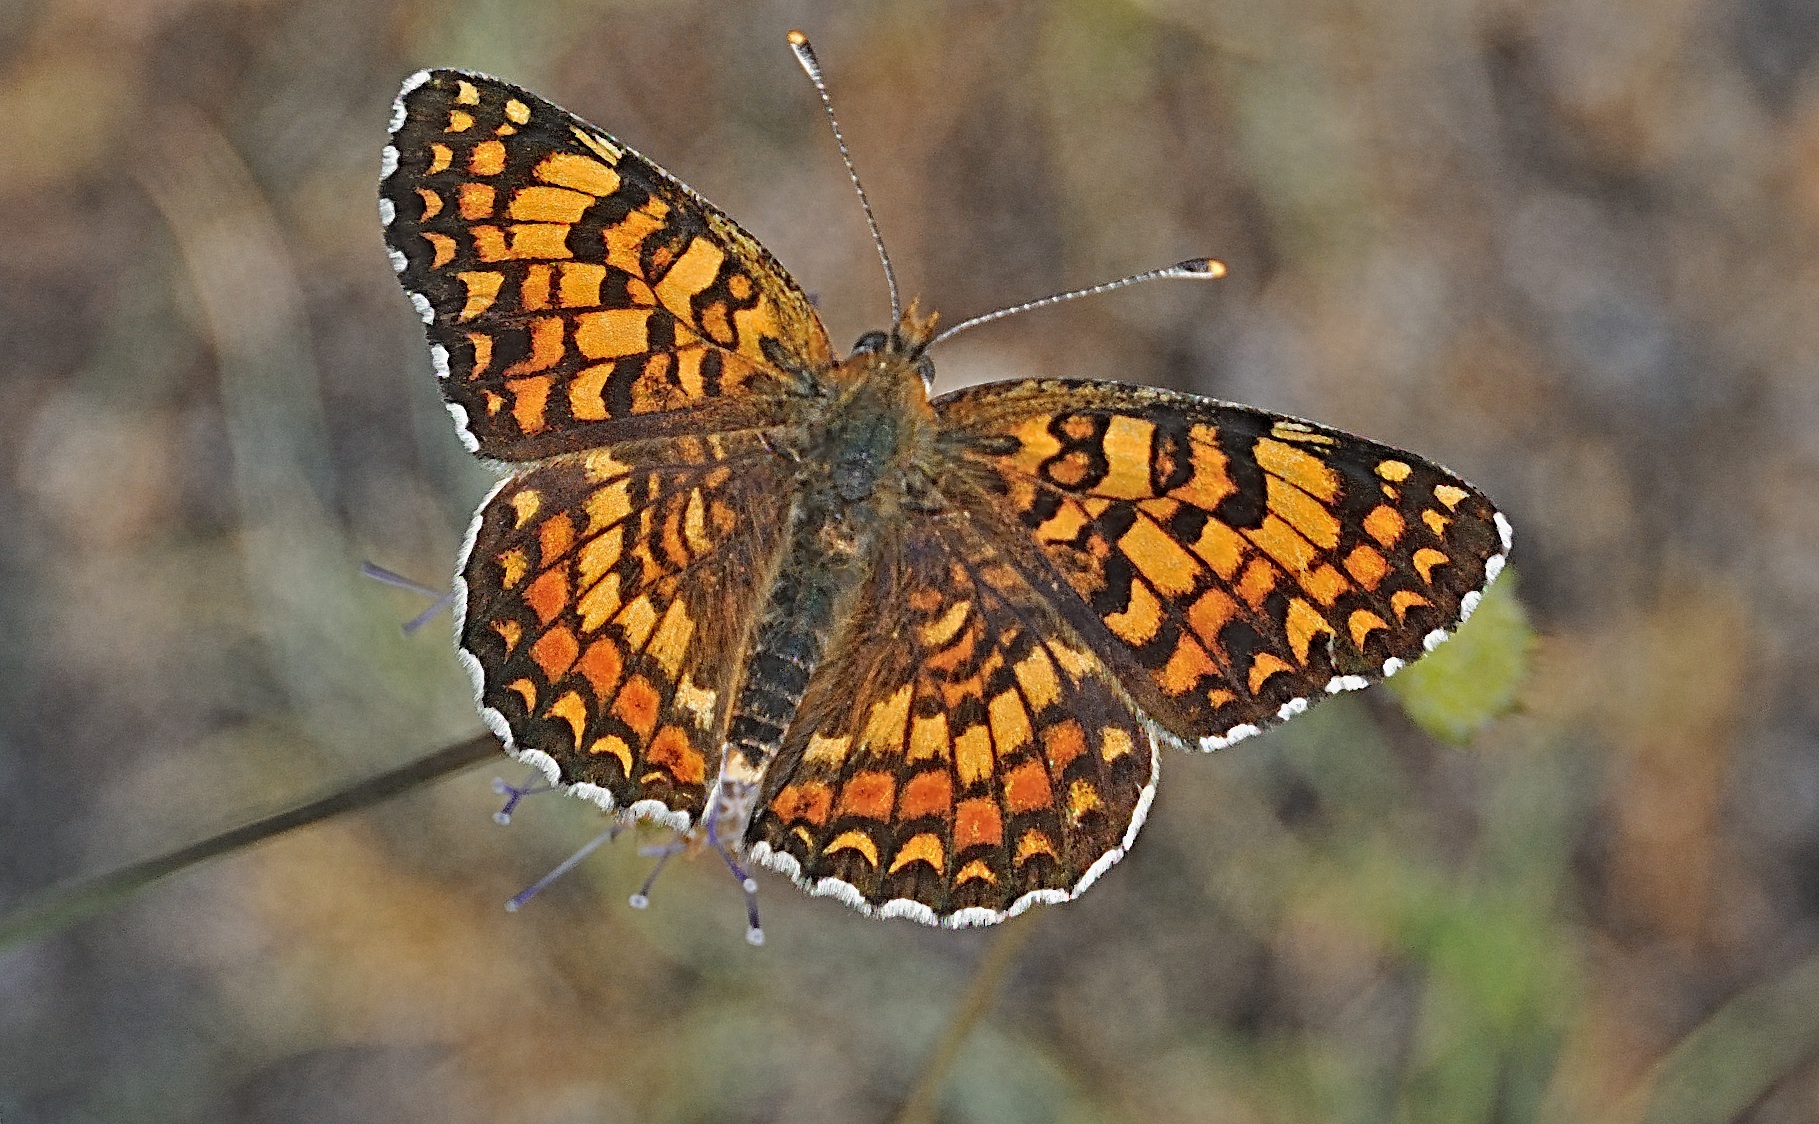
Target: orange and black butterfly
x=917, y=654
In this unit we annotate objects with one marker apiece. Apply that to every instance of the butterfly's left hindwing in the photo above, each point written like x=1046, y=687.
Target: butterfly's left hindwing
x=603, y=600
x=1231, y=564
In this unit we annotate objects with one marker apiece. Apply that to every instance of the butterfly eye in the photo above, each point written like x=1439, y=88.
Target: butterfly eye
x=870, y=342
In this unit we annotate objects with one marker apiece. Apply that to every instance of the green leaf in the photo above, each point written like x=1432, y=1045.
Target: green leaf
x=1475, y=676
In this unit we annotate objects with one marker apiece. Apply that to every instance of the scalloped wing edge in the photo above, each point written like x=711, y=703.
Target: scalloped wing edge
x=1339, y=684
x=973, y=916
x=654, y=810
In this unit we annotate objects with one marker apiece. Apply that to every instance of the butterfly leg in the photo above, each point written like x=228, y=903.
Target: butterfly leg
x=532, y=785
x=733, y=802
x=676, y=845
x=443, y=599
x=754, y=932
x=564, y=867
x=779, y=449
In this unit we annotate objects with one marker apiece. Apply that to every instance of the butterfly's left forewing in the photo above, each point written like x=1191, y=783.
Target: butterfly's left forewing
x=1231, y=565
x=574, y=292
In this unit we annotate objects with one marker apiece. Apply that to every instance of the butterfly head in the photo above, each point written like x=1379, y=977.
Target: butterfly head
x=907, y=342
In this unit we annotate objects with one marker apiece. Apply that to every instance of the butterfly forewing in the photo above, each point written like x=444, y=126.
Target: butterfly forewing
x=568, y=284
x=1233, y=565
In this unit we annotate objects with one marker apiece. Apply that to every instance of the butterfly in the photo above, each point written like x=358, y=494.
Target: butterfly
x=918, y=654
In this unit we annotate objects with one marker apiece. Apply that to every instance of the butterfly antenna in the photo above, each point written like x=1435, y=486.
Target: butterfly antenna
x=1194, y=269
x=805, y=55
x=564, y=867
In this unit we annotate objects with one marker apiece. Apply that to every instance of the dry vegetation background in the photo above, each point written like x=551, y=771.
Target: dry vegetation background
x=1566, y=247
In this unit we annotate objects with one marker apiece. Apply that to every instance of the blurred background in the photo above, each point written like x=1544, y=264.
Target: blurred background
x=1566, y=247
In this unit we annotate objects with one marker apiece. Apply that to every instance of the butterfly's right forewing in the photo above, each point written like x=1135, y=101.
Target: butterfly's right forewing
x=1233, y=565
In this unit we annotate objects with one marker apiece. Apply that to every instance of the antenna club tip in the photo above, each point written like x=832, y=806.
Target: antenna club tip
x=754, y=937
x=805, y=57
x=1206, y=267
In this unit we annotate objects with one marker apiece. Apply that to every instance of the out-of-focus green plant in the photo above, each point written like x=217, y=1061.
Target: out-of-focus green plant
x=1475, y=676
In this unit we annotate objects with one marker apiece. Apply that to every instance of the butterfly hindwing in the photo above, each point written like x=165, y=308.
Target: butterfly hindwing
x=603, y=598
x=959, y=755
